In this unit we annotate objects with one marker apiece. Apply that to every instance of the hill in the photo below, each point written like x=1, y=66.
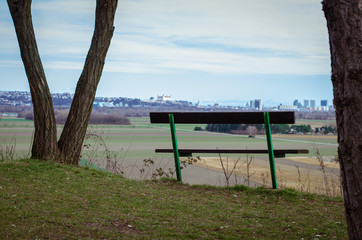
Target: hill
x=45, y=200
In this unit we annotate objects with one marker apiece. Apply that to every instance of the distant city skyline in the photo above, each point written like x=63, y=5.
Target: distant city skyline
x=256, y=104
x=227, y=52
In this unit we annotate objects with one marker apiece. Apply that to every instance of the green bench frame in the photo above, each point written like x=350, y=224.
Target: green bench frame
x=265, y=118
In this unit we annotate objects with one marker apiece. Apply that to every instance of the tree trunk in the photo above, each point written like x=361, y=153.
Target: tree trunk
x=75, y=128
x=69, y=146
x=344, y=19
x=45, y=136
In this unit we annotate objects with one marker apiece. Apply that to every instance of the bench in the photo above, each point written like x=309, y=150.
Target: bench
x=265, y=118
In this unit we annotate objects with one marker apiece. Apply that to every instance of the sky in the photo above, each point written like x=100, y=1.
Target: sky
x=213, y=51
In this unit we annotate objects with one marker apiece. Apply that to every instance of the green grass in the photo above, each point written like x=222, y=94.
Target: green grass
x=42, y=200
x=15, y=120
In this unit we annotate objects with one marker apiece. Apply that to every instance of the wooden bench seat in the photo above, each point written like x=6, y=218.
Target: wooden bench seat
x=278, y=153
x=223, y=117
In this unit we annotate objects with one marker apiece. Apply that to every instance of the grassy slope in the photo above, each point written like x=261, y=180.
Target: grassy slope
x=47, y=200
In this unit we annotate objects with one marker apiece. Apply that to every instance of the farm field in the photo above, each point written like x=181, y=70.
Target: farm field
x=126, y=147
x=315, y=123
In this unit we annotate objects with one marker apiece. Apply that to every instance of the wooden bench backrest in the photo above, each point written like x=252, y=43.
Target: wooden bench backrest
x=223, y=117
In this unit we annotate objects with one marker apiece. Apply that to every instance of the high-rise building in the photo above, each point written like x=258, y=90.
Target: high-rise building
x=306, y=103
x=312, y=103
x=295, y=103
x=252, y=106
x=324, y=103
x=258, y=104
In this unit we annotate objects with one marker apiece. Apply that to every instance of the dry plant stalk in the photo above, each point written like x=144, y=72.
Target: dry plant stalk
x=7, y=151
x=111, y=158
x=325, y=175
x=149, y=169
x=226, y=171
x=247, y=177
x=281, y=181
x=301, y=185
x=265, y=178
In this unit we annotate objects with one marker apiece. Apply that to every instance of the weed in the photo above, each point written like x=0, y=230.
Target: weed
x=323, y=170
x=189, y=161
x=149, y=169
x=249, y=160
x=300, y=182
x=228, y=173
x=92, y=143
x=332, y=185
x=7, y=151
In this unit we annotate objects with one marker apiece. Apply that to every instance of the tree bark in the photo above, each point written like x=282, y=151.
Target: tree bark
x=69, y=146
x=344, y=19
x=75, y=128
x=45, y=136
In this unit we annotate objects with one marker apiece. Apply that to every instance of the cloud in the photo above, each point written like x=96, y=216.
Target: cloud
x=69, y=7
x=61, y=65
x=285, y=37
x=293, y=26
x=168, y=58
x=11, y=63
x=159, y=36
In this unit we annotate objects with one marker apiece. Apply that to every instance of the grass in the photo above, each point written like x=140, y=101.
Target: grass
x=41, y=200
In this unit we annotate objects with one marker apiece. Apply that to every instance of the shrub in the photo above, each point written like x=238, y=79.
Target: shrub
x=28, y=115
x=197, y=129
x=98, y=118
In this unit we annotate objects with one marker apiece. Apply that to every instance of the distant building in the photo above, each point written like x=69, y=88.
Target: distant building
x=164, y=98
x=9, y=114
x=97, y=104
x=306, y=103
x=108, y=104
x=287, y=107
x=252, y=106
x=258, y=104
x=312, y=103
x=324, y=103
x=198, y=105
x=295, y=103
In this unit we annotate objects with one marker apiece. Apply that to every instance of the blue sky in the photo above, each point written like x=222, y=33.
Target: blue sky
x=226, y=52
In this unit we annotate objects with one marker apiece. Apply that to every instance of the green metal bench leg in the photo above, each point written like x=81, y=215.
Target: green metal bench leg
x=175, y=147
x=270, y=149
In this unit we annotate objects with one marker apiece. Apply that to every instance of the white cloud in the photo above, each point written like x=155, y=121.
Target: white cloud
x=281, y=25
x=277, y=37
x=61, y=65
x=70, y=7
x=285, y=37
x=168, y=58
x=11, y=63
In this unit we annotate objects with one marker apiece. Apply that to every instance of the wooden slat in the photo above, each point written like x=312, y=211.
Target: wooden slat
x=223, y=117
x=241, y=151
